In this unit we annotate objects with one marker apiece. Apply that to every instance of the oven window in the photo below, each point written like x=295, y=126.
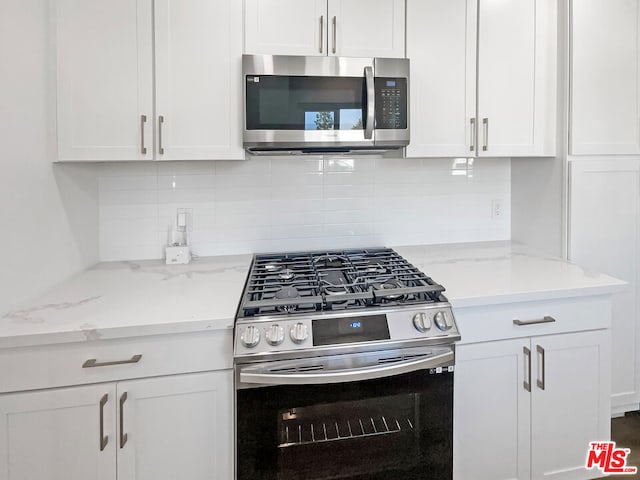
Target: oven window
x=304, y=103
x=356, y=435
x=399, y=428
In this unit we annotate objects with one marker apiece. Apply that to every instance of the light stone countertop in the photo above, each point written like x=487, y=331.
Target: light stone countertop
x=129, y=299
x=486, y=273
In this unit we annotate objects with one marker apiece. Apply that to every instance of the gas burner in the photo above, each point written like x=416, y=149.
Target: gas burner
x=287, y=293
x=331, y=261
x=272, y=268
x=286, y=275
x=390, y=284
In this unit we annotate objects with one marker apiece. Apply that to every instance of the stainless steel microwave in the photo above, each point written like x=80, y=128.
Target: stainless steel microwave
x=295, y=104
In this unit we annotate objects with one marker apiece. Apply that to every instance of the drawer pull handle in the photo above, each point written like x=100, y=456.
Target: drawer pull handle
x=104, y=439
x=92, y=362
x=546, y=319
x=123, y=436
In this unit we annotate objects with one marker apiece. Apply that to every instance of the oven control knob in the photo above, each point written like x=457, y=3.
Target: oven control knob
x=422, y=322
x=250, y=337
x=441, y=321
x=298, y=333
x=275, y=335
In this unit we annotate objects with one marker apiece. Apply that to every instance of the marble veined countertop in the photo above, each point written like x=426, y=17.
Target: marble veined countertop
x=488, y=273
x=129, y=299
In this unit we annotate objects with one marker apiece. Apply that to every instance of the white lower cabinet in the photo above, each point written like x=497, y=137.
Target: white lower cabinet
x=527, y=408
x=176, y=427
x=162, y=428
x=59, y=434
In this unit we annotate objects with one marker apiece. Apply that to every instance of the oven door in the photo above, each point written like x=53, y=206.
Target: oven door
x=375, y=416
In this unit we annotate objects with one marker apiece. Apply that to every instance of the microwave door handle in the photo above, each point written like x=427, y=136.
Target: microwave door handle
x=371, y=102
x=346, y=375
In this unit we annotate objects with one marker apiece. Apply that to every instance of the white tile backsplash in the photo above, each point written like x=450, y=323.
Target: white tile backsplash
x=298, y=203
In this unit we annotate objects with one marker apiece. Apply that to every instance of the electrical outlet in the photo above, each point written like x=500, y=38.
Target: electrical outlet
x=184, y=219
x=497, y=209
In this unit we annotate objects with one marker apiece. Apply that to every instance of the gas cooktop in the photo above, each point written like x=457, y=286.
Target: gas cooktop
x=304, y=282
x=320, y=302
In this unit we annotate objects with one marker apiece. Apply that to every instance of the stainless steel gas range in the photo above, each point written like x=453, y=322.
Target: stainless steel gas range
x=344, y=369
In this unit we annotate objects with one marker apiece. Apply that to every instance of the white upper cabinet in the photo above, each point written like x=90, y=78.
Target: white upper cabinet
x=104, y=74
x=605, y=80
x=366, y=28
x=198, y=79
x=107, y=106
x=285, y=27
x=517, y=82
x=441, y=46
x=495, y=97
x=350, y=28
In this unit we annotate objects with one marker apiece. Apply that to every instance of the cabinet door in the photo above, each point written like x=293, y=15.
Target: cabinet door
x=604, y=234
x=605, y=50
x=570, y=404
x=517, y=44
x=198, y=79
x=176, y=427
x=441, y=45
x=58, y=434
x=366, y=28
x=491, y=411
x=104, y=79
x=285, y=27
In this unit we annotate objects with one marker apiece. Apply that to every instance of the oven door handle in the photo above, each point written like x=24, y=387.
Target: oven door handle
x=345, y=375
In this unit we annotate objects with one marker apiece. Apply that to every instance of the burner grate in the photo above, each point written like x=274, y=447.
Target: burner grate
x=334, y=280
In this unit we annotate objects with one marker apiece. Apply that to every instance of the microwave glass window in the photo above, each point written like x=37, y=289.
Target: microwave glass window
x=304, y=103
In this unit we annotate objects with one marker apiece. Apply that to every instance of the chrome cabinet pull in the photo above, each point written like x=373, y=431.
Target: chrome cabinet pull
x=371, y=102
x=527, y=367
x=472, y=143
x=334, y=34
x=104, y=439
x=545, y=319
x=143, y=121
x=321, y=32
x=160, y=122
x=123, y=436
x=485, y=130
x=93, y=363
x=541, y=379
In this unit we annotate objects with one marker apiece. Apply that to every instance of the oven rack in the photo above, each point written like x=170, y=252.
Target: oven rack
x=313, y=433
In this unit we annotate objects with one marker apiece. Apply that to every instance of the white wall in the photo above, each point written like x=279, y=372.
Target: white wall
x=48, y=214
x=291, y=203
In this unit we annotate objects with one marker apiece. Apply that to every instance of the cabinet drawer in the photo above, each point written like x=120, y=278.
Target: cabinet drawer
x=62, y=365
x=496, y=322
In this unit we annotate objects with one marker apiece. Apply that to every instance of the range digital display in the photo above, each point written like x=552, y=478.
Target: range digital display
x=335, y=331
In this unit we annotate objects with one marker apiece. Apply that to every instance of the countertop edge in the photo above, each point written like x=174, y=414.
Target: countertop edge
x=115, y=333
x=542, y=295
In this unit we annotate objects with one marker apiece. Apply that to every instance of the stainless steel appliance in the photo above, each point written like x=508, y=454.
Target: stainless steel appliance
x=296, y=104
x=344, y=369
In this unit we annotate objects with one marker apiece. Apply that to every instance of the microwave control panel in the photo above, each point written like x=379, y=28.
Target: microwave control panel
x=391, y=103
